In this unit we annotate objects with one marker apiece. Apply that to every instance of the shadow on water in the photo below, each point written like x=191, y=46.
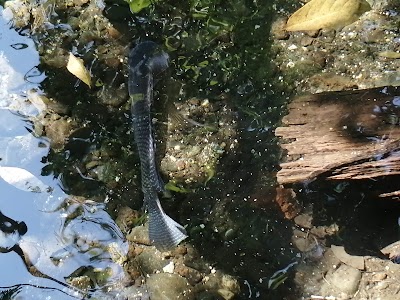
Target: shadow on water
x=42, y=239
x=367, y=222
x=245, y=233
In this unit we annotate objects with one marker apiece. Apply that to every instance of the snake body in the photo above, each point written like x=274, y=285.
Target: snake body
x=146, y=61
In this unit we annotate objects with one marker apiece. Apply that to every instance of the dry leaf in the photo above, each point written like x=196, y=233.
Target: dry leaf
x=23, y=180
x=331, y=14
x=350, y=260
x=76, y=67
x=39, y=101
x=389, y=54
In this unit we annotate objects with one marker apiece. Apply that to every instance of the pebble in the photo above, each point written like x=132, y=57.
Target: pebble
x=192, y=275
x=379, y=276
x=278, y=29
x=151, y=261
x=346, y=279
x=226, y=294
x=304, y=220
x=169, y=287
x=139, y=235
x=230, y=283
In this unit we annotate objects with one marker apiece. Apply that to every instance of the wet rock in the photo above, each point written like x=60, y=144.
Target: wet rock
x=127, y=218
x=151, y=261
x=169, y=287
x=379, y=276
x=226, y=294
x=58, y=130
x=20, y=11
x=113, y=96
x=135, y=293
x=286, y=199
x=304, y=220
x=139, y=235
x=230, y=283
x=346, y=279
x=180, y=250
x=278, y=29
x=300, y=240
x=82, y=282
x=207, y=295
x=192, y=275
x=330, y=82
x=306, y=41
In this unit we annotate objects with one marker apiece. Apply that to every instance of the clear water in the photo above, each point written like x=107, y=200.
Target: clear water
x=55, y=243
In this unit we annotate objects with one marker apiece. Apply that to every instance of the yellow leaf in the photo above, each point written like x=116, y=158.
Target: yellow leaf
x=318, y=14
x=76, y=67
x=389, y=54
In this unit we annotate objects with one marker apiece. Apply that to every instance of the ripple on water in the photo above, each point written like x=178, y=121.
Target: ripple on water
x=66, y=237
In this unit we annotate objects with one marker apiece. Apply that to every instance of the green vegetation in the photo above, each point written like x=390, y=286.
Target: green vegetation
x=216, y=47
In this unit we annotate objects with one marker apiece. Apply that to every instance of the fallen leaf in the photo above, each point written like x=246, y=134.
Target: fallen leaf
x=393, y=250
x=331, y=14
x=23, y=180
x=137, y=5
x=389, y=54
x=39, y=101
x=76, y=67
x=350, y=260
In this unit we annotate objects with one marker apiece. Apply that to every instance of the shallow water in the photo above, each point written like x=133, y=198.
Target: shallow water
x=60, y=237
x=233, y=220
x=56, y=243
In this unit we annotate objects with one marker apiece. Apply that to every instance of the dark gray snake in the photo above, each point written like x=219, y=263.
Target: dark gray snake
x=146, y=61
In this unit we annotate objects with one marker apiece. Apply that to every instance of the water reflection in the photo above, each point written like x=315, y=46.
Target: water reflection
x=49, y=241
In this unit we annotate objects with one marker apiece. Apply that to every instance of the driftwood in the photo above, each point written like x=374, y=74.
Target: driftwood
x=342, y=135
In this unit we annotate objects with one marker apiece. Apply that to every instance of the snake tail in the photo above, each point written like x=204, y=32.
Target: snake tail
x=146, y=61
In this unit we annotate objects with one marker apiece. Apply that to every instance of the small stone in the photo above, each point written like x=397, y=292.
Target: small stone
x=287, y=201
x=169, y=287
x=226, y=294
x=81, y=282
x=58, y=130
x=180, y=250
x=151, y=261
x=139, y=235
x=230, y=283
x=126, y=218
x=304, y=220
x=346, y=279
x=169, y=268
x=306, y=41
x=278, y=29
x=192, y=275
x=379, y=276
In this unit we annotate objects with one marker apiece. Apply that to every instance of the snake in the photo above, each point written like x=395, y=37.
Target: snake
x=146, y=62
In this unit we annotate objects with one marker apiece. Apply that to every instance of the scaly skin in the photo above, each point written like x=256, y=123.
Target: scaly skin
x=145, y=62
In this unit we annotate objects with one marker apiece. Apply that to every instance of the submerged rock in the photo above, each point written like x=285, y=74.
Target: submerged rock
x=169, y=287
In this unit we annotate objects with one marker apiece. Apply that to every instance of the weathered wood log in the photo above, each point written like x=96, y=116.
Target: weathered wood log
x=342, y=135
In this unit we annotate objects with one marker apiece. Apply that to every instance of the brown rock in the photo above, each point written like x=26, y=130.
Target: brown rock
x=286, y=199
x=58, y=130
x=278, y=29
x=192, y=275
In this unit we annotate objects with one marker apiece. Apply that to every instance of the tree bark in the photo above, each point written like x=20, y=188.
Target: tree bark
x=341, y=135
